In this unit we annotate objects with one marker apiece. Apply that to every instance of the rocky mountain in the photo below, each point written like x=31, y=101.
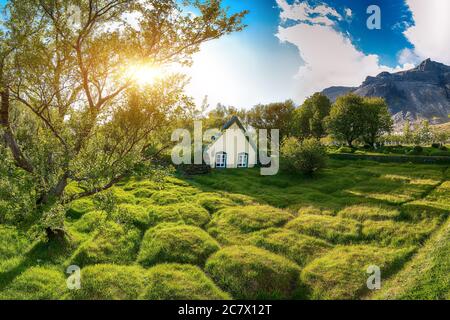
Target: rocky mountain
x=419, y=93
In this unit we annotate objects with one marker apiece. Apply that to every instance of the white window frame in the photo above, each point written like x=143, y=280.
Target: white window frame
x=221, y=160
x=242, y=156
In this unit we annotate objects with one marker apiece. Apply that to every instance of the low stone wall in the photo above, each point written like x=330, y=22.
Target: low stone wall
x=392, y=158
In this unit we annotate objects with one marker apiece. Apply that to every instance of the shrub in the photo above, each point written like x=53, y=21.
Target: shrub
x=180, y=282
x=36, y=283
x=436, y=145
x=342, y=272
x=251, y=273
x=176, y=243
x=112, y=243
x=307, y=156
x=345, y=150
x=297, y=247
x=369, y=212
x=336, y=230
x=231, y=225
x=110, y=282
x=213, y=202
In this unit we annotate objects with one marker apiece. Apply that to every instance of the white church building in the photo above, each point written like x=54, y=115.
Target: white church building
x=232, y=147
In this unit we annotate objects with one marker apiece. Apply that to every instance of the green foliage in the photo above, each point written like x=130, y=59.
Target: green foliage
x=345, y=150
x=36, y=283
x=307, y=156
x=132, y=215
x=180, y=282
x=297, y=247
x=110, y=282
x=309, y=118
x=333, y=229
x=232, y=225
x=251, y=273
x=166, y=197
x=13, y=244
x=176, y=243
x=111, y=243
x=353, y=117
x=273, y=116
x=342, y=272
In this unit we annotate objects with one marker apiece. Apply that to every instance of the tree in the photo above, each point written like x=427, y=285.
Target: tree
x=273, y=116
x=346, y=119
x=307, y=156
x=377, y=120
x=70, y=110
x=309, y=118
x=407, y=132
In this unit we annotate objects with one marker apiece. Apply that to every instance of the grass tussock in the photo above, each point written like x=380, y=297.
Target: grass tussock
x=297, y=247
x=251, y=273
x=176, y=243
x=231, y=225
x=369, y=212
x=180, y=282
x=333, y=229
x=342, y=272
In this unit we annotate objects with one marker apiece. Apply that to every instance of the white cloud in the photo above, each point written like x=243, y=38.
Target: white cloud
x=348, y=12
x=330, y=58
x=431, y=33
x=302, y=12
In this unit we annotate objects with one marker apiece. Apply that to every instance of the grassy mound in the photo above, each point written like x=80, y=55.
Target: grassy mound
x=187, y=213
x=231, y=225
x=180, y=282
x=315, y=211
x=251, y=273
x=166, y=197
x=36, y=283
x=176, y=243
x=213, y=202
x=12, y=243
x=112, y=243
x=132, y=215
x=297, y=247
x=80, y=207
x=425, y=276
x=369, y=212
x=342, y=273
x=110, y=282
x=334, y=229
x=398, y=233
x=90, y=221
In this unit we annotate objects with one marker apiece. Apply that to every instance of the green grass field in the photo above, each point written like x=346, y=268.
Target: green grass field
x=234, y=234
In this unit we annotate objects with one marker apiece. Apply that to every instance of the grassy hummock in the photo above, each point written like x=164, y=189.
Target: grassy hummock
x=248, y=272
x=180, y=282
x=231, y=225
x=333, y=229
x=176, y=243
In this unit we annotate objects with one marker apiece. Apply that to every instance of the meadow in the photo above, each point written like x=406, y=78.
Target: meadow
x=234, y=234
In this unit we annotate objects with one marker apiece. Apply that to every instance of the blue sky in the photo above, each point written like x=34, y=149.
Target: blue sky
x=293, y=48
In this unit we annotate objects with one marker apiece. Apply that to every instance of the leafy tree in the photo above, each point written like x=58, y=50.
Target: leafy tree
x=347, y=119
x=309, y=118
x=407, y=132
x=307, y=156
x=377, y=120
x=70, y=110
x=273, y=116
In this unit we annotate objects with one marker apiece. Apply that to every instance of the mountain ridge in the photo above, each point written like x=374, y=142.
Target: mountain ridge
x=416, y=94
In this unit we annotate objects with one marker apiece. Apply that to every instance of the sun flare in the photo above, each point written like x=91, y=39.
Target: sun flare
x=143, y=74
